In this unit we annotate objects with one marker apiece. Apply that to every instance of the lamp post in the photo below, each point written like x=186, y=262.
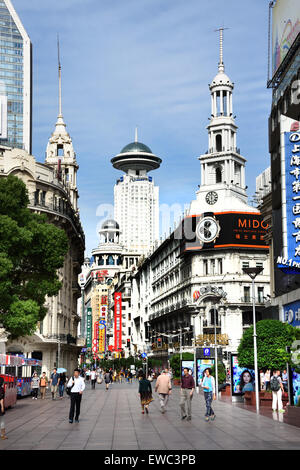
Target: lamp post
x=252, y=273
x=216, y=355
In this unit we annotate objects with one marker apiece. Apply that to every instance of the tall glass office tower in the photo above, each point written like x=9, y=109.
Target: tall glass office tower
x=15, y=80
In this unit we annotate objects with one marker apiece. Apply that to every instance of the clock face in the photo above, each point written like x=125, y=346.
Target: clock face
x=211, y=197
x=207, y=229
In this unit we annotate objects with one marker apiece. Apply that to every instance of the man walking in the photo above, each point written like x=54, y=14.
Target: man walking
x=93, y=379
x=186, y=394
x=43, y=385
x=54, y=381
x=277, y=389
x=163, y=387
x=78, y=386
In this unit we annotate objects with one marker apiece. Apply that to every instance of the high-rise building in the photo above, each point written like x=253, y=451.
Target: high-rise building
x=136, y=198
x=15, y=80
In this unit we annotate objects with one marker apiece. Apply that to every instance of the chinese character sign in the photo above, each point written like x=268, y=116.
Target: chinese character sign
x=292, y=162
x=89, y=328
x=118, y=321
x=102, y=336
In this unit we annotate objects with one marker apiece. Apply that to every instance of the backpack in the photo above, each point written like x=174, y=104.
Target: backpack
x=68, y=389
x=274, y=384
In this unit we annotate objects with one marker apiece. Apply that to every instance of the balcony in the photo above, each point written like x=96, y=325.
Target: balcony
x=258, y=300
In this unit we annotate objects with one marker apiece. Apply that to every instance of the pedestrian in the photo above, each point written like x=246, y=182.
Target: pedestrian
x=186, y=394
x=107, y=378
x=43, y=385
x=267, y=379
x=93, y=379
x=35, y=385
x=209, y=388
x=277, y=389
x=284, y=379
x=145, y=392
x=61, y=384
x=130, y=377
x=262, y=380
x=163, y=387
x=76, y=385
x=54, y=381
x=2, y=409
x=111, y=375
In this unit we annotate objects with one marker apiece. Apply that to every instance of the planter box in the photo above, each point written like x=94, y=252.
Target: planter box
x=176, y=382
x=226, y=392
x=265, y=399
x=293, y=415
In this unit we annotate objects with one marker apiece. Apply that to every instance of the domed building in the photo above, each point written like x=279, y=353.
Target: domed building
x=136, y=197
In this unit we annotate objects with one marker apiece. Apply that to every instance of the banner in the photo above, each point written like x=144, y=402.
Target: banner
x=89, y=328
x=102, y=336
x=118, y=321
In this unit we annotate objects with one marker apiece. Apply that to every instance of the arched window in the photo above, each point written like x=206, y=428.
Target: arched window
x=110, y=260
x=218, y=174
x=219, y=143
x=101, y=260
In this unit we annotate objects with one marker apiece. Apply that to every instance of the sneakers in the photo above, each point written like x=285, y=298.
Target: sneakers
x=183, y=417
x=70, y=421
x=282, y=411
x=212, y=417
x=206, y=419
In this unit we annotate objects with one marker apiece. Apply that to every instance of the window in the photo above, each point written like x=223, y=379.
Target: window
x=205, y=267
x=260, y=294
x=214, y=317
x=219, y=143
x=218, y=174
x=247, y=294
x=220, y=266
x=245, y=264
x=110, y=260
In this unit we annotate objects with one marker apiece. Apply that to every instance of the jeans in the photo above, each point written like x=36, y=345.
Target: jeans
x=61, y=389
x=208, y=399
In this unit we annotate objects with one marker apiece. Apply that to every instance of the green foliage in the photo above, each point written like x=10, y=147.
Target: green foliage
x=31, y=252
x=272, y=338
x=221, y=372
x=175, y=362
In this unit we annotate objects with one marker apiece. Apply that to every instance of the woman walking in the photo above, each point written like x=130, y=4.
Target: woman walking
x=61, y=384
x=145, y=392
x=107, y=378
x=35, y=385
x=209, y=387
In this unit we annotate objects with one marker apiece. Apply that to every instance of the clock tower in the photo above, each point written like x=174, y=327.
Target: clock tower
x=222, y=167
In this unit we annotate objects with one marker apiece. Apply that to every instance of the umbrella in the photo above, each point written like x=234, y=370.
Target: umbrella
x=61, y=370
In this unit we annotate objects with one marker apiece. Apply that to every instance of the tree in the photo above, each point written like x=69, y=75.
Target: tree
x=272, y=338
x=31, y=252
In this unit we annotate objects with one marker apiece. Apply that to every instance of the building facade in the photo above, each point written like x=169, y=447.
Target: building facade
x=193, y=283
x=15, y=80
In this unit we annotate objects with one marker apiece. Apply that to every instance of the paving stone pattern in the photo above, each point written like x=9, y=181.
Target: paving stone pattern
x=113, y=420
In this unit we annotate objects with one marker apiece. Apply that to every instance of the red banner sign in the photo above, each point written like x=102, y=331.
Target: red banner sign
x=118, y=321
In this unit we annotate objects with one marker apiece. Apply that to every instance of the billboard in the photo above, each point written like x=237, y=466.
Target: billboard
x=189, y=365
x=203, y=364
x=89, y=328
x=102, y=336
x=223, y=229
x=289, y=262
x=118, y=321
x=242, y=379
x=285, y=28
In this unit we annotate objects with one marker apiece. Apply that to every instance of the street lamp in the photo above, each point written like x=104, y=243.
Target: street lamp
x=252, y=273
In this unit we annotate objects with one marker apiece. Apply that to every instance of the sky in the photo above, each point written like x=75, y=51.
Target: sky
x=146, y=63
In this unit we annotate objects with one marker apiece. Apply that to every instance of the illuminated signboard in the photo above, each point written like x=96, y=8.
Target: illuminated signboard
x=102, y=336
x=292, y=313
x=233, y=230
x=118, y=321
x=89, y=328
x=289, y=262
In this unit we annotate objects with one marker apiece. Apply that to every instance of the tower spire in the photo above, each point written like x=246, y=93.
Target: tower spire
x=221, y=66
x=59, y=79
x=136, y=135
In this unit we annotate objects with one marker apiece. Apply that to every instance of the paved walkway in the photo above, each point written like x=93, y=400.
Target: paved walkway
x=113, y=420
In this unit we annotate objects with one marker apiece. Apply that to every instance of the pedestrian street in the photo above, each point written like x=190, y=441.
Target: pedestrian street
x=112, y=420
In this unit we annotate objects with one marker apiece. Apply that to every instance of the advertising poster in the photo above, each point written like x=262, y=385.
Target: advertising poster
x=189, y=365
x=291, y=313
x=285, y=28
x=296, y=388
x=203, y=364
x=118, y=322
x=242, y=379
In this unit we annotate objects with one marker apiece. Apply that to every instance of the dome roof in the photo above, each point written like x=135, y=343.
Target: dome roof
x=136, y=147
x=221, y=79
x=110, y=225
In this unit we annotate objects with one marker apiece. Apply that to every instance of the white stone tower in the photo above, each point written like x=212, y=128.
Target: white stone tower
x=222, y=167
x=136, y=198
x=60, y=152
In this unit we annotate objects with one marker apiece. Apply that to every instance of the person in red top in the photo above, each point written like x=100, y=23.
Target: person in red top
x=186, y=394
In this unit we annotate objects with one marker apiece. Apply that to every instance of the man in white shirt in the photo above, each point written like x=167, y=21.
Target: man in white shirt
x=78, y=385
x=93, y=379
